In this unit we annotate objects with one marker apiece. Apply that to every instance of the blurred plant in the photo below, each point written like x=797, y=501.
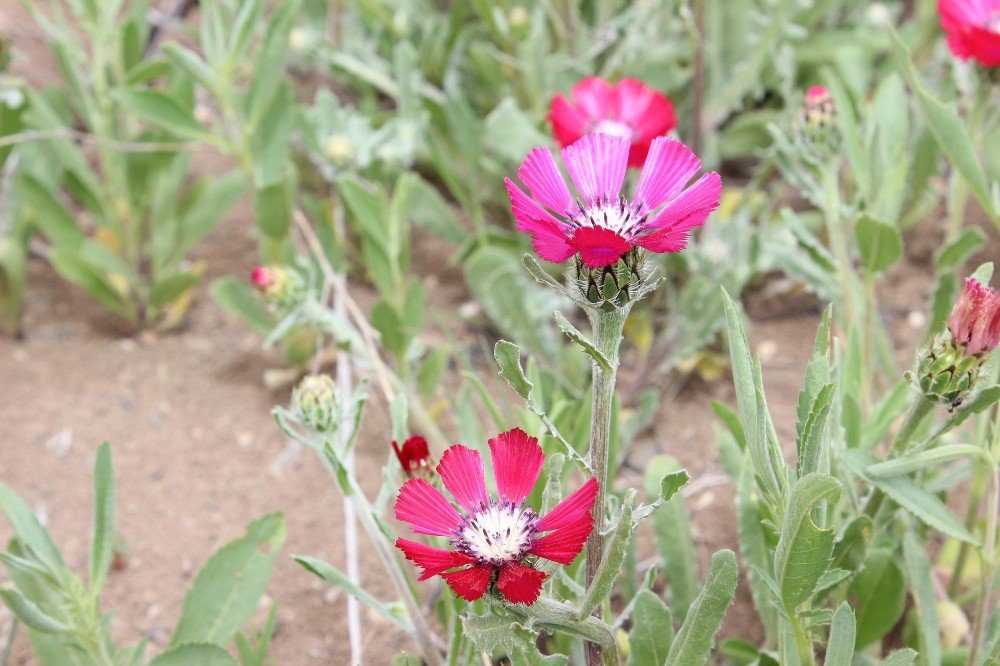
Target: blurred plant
x=121, y=224
x=61, y=611
x=13, y=233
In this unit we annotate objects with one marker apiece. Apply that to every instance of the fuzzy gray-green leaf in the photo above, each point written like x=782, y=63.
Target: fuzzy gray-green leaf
x=693, y=642
x=803, y=552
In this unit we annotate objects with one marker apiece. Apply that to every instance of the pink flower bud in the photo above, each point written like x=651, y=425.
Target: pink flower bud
x=975, y=320
x=414, y=456
x=262, y=277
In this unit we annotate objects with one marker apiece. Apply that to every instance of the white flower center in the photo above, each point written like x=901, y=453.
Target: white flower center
x=620, y=216
x=501, y=532
x=614, y=128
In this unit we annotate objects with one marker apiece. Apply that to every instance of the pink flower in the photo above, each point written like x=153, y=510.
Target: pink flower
x=603, y=225
x=491, y=538
x=414, y=456
x=630, y=109
x=973, y=29
x=975, y=319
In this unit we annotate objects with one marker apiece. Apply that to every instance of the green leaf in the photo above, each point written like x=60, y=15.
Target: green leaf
x=333, y=576
x=226, y=591
x=950, y=131
x=693, y=642
x=40, y=208
x=673, y=534
x=30, y=614
x=579, y=338
x=652, y=630
x=269, y=64
x=27, y=528
x=904, y=657
x=840, y=648
x=921, y=582
x=203, y=654
x=236, y=298
x=814, y=446
x=273, y=203
x=952, y=256
x=910, y=496
x=163, y=111
x=102, y=543
x=170, y=288
x=880, y=244
x=879, y=593
x=508, y=357
x=912, y=462
x=193, y=65
x=611, y=562
x=803, y=552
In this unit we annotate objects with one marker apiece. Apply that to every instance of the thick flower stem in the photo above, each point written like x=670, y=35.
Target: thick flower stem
x=607, y=326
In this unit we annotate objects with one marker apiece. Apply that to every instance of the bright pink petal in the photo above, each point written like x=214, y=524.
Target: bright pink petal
x=569, y=122
x=983, y=45
x=517, y=461
x=432, y=560
x=669, y=167
x=595, y=97
x=520, y=584
x=571, y=509
x=526, y=210
x=599, y=246
x=426, y=510
x=648, y=111
x=461, y=471
x=540, y=173
x=680, y=216
x=597, y=165
x=564, y=544
x=470, y=584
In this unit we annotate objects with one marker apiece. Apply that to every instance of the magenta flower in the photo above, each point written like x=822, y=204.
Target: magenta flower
x=603, y=225
x=630, y=109
x=973, y=29
x=975, y=319
x=495, y=541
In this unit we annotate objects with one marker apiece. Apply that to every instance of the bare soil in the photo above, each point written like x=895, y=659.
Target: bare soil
x=197, y=454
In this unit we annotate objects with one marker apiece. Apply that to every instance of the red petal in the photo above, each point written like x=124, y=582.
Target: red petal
x=599, y=246
x=517, y=461
x=461, y=471
x=564, y=544
x=689, y=210
x=646, y=109
x=470, y=584
x=426, y=510
x=569, y=122
x=432, y=560
x=571, y=509
x=413, y=454
x=595, y=97
x=520, y=584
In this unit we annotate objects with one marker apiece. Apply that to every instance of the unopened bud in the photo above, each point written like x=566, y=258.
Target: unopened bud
x=414, y=456
x=818, y=125
x=339, y=149
x=278, y=285
x=315, y=403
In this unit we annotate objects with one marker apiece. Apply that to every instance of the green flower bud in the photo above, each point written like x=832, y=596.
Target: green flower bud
x=946, y=374
x=616, y=284
x=314, y=401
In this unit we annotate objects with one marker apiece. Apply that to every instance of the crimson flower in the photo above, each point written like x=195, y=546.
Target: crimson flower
x=630, y=109
x=494, y=540
x=975, y=319
x=603, y=225
x=414, y=456
x=973, y=29
x=262, y=277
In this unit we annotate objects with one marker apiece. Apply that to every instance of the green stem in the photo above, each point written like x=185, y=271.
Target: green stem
x=803, y=643
x=983, y=604
x=607, y=325
x=976, y=489
x=919, y=408
x=838, y=242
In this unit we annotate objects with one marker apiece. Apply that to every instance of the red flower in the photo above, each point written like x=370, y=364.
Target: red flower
x=630, y=109
x=973, y=29
x=414, y=455
x=603, y=225
x=491, y=537
x=975, y=319
x=262, y=277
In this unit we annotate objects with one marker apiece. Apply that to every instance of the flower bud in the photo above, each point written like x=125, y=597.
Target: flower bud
x=314, y=401
x=278, y=285
x=339, y=149
x=518, y=17
x=414, y=456
x=818, y=125
x=951, y=367
x=615, y=284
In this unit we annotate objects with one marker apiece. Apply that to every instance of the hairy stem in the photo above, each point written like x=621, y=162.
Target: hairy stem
x=920, y=407
x=607, y=326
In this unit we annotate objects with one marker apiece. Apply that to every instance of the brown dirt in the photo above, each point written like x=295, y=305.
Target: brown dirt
x=197, y=454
